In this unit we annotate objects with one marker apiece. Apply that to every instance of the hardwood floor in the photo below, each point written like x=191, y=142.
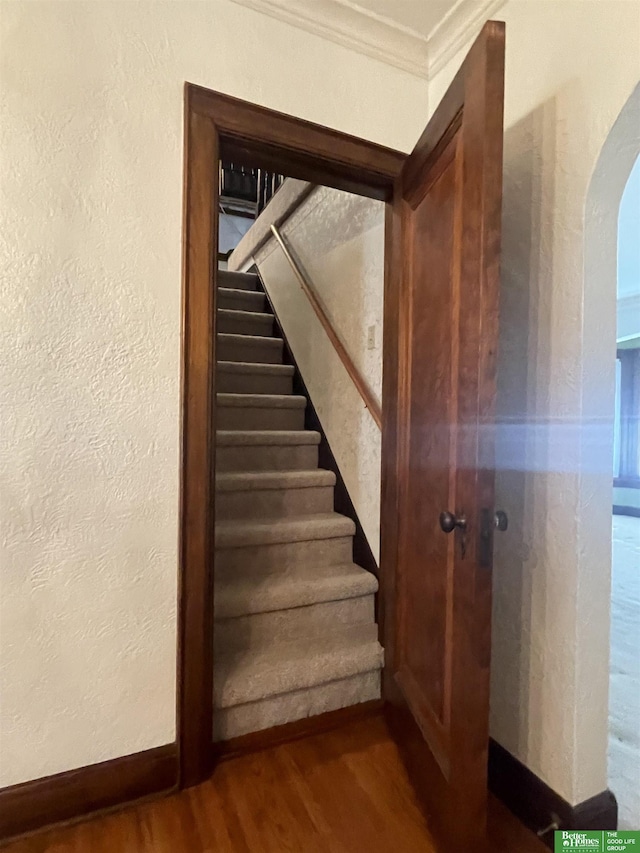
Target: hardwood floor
x=343, y=791
x=624, y=691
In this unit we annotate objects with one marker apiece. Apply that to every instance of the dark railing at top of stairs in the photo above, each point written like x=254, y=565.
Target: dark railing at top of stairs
x=246, y=191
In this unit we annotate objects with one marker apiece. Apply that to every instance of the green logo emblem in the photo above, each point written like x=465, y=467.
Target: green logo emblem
x=607, y=841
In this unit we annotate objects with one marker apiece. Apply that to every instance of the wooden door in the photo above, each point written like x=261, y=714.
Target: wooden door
x=441, y=311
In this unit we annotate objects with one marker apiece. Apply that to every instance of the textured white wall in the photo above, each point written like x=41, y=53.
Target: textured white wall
x=339, y=239
x=90, y=219
x=90, y=225
x=571, y=67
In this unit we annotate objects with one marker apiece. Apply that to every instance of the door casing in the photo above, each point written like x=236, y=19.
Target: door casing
x=218, y=126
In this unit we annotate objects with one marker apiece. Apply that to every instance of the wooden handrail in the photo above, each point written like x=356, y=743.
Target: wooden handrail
x=363, y=389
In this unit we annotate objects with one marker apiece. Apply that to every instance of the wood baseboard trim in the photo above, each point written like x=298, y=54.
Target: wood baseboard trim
x=537, y=805
x=77, y=793
x=297, y=730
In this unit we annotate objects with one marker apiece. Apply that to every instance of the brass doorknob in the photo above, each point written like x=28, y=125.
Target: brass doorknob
x=449, y=522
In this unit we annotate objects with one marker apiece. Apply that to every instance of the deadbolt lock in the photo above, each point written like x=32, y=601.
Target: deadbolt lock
x=488, y=523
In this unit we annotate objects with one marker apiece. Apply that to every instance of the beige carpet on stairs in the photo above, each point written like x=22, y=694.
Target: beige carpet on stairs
x=295, y=631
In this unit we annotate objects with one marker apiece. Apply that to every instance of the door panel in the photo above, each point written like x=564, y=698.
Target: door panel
x=439, y=411
x=431, y=234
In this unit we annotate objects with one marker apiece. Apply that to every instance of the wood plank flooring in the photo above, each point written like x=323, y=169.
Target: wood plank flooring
x=624, y=693
x=344, y=791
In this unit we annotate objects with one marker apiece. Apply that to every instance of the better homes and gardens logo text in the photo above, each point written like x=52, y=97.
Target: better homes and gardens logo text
x=598, y=842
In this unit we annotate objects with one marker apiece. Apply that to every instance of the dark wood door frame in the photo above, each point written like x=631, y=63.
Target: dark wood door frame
x=219, y=126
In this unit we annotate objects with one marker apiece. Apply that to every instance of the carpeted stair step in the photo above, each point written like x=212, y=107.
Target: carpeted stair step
x=297, y=705
x=237, y=280
x=266, y=450
x=250, y=591
x=273, y=684
x=294, y=621
x=253, y=348
x=241, y=534
x=268, y=494
x=257, y=673
x=260, y=411
x=241, y=300
x=280, y=546
x=245, y=322
x=238, y=377
x=252, y=609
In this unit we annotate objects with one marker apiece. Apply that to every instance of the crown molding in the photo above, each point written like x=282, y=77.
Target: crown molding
x=458, y=27
x=349, y=25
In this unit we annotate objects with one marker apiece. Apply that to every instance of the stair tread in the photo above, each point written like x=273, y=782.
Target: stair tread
x=261, y=437
x=238, y=533
x=256, y=367
x=248, y=340
x=253, y=591
x=251, y=295
x=261, y=401
x=240, y=481
x=258, y=316
x=237, y=280
x=252, y=674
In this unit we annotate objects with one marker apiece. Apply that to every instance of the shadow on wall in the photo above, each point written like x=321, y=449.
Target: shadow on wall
x=340, y=245
x=522, y=447
x=554, y=445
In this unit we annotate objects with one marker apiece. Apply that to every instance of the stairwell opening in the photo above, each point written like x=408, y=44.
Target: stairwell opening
x=220, y=131
x=296, y=547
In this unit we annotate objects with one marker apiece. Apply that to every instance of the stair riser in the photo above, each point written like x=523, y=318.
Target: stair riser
x=252, y=418
x=241, y=686
x=272, y=503
x=286, y=556
x=298, y=457
x=316, y=620
x=253, y=383
x=234, y=325
x=238, y=281
x=256, y=353
x=243, y=300
x=277, y=710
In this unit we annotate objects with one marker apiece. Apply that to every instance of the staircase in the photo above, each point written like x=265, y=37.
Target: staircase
x=295, y=633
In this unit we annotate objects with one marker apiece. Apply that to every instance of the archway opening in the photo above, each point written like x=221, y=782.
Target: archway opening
x=624, y=698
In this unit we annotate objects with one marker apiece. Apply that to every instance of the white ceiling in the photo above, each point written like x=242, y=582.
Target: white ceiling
x=421, y=16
